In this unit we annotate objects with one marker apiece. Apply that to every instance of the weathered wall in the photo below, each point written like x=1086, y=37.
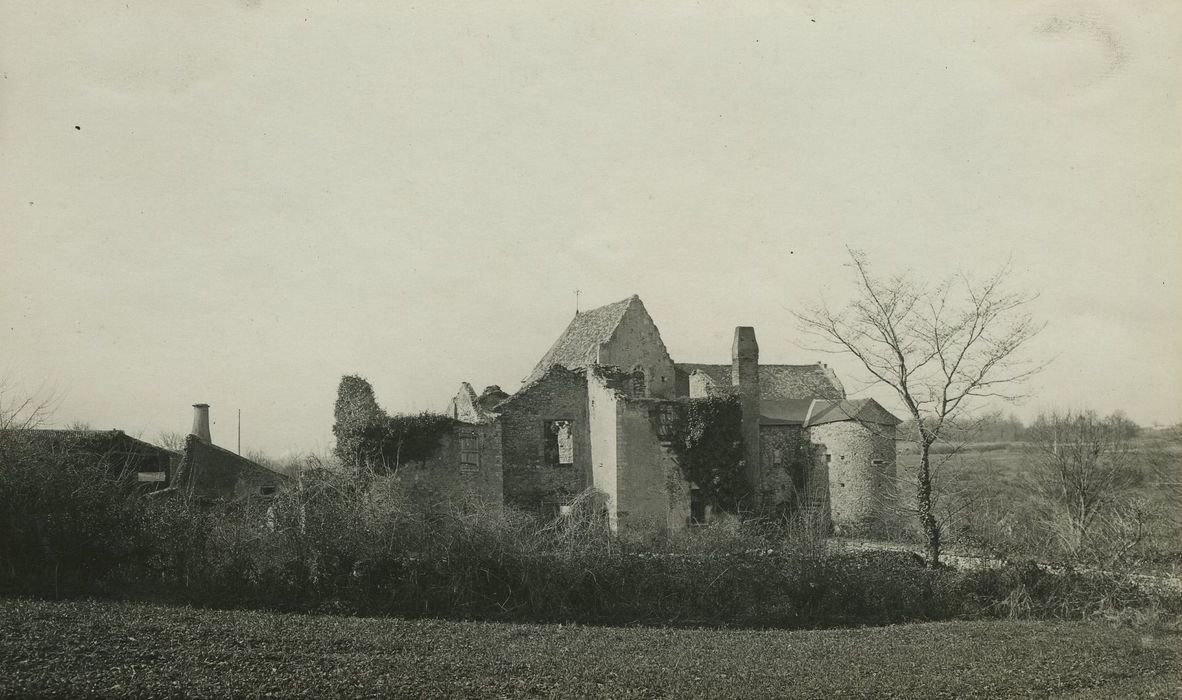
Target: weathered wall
x=561, y=394
x=701, y=386
x=602, y=413
x=447, y=477
x=651, y=492
x=859, y=491
x=636, y=343
x=785, y=456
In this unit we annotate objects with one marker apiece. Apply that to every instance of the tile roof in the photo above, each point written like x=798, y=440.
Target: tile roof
x=578, y=345
x=784, y=411
x=810, y=412
x=861, y=410
x=784, y=382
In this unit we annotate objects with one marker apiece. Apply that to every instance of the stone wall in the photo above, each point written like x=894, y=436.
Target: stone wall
x=529, y=482
x=636, y=344
x=466, y=467
x=786, y=459
x=651, y=491
x=859, y=489
x=602, y=406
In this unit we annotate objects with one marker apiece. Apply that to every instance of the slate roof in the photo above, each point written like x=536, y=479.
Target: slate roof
x=578, y=345
x=808, y=413
x=782, y=382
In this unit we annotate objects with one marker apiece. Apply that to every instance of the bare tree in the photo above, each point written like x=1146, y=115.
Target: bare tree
x=941, y=347
x=171, y=440
x=1084, y=469
x=25, y=410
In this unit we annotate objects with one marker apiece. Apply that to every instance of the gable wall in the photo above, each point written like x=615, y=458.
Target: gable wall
x=527, y=478
x=637, y=343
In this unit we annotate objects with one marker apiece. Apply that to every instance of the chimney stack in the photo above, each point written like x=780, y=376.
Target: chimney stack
x=201, y=422
x=745, y=378
x=745, y=360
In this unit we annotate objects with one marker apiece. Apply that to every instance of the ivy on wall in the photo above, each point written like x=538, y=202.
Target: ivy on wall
x=367, y=437
x=707, y=437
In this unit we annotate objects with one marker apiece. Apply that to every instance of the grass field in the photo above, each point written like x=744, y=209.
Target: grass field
x=993, y=479
x=78, y=649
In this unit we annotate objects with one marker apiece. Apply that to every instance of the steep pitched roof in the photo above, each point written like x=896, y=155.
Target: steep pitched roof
x=784, y=382
x=576, y=348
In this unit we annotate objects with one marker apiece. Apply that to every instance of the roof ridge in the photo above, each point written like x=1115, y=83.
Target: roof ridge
x=583, y=334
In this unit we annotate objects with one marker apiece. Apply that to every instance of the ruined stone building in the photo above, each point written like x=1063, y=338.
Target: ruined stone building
x=591, y=415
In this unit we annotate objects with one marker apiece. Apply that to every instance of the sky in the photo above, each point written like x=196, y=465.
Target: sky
x=237, y=203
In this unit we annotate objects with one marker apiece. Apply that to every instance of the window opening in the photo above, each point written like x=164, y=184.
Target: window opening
x=638, y=383
x=560, y=443
x=667, y=421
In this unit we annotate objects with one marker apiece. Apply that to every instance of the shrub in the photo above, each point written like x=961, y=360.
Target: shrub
x=358, y=543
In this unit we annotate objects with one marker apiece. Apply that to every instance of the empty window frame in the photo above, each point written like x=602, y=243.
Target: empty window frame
x=667, y=421
x=639, y=387
x=560, y=442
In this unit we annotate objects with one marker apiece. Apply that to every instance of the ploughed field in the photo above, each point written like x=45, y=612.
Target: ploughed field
x=76, y=649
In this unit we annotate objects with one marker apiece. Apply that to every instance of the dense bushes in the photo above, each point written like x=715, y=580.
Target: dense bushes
x=356, y=544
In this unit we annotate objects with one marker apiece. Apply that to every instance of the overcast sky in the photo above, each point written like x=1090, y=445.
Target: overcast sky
x=237, y=203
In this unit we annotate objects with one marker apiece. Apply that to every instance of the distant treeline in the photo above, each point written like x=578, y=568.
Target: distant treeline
x=999, y=427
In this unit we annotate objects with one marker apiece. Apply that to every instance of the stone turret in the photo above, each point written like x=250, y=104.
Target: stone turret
x=745, y=377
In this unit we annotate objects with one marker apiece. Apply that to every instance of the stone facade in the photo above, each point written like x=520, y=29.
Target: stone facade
x=859, y=459
x=466, y=467
x=591, y=415
x=533, y=477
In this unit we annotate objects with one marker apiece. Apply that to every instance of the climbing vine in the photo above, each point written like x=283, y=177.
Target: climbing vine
x=707, y=438
x=369, y=438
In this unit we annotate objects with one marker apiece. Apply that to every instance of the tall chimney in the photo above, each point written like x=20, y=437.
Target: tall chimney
x=745, y=377
x=201, y=422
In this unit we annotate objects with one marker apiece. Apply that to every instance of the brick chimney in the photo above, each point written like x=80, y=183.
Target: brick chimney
x=201, y=422
x=745, y=377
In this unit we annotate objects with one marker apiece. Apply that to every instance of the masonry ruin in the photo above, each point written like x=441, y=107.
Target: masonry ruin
x=597, y=414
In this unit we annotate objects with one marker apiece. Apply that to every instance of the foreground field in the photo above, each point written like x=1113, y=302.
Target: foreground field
x=119, y=650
